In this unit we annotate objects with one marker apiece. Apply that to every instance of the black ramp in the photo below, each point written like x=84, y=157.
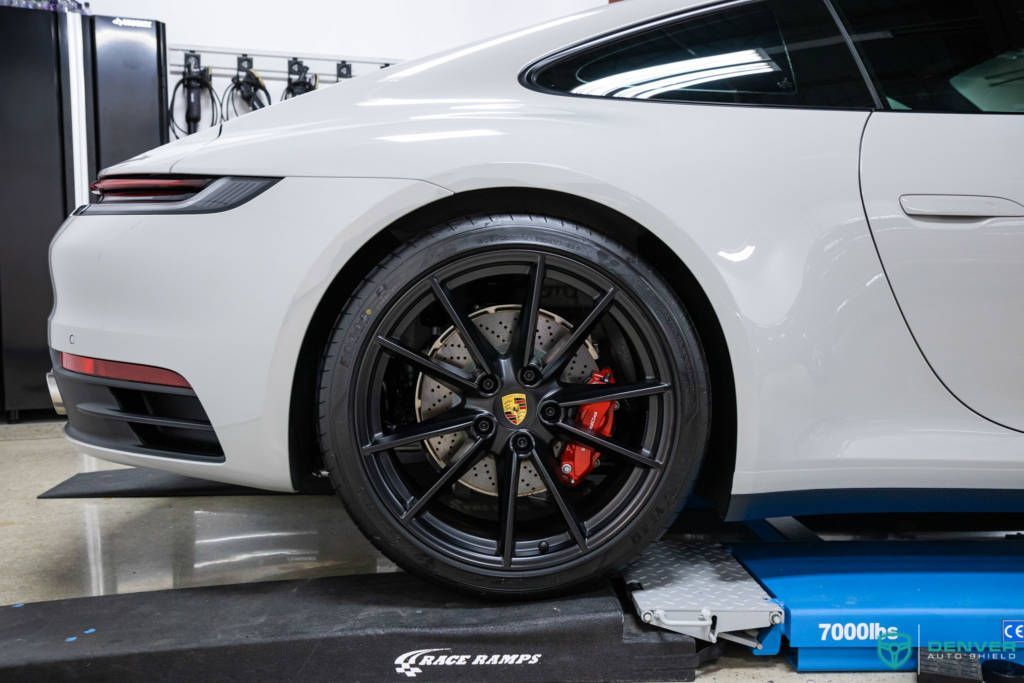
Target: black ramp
x=389, y=627
x=141, y=482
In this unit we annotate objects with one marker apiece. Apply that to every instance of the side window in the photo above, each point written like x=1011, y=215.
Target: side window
x=925, y=55
x=768, y=52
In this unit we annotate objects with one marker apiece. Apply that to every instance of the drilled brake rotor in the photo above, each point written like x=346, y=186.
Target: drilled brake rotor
x=433, y=398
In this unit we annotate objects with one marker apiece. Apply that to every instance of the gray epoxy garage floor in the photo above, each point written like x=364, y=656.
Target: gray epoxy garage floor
x=53, y=549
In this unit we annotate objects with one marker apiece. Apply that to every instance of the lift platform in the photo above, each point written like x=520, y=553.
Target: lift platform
x=845, y=605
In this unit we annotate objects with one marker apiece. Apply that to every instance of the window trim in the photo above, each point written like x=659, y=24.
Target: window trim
x=857, y=58
x=527, y=77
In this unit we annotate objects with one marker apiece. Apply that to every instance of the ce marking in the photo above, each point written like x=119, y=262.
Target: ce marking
x=1013, y=630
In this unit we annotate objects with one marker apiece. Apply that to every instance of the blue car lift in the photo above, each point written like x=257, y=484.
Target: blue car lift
x=842, y=605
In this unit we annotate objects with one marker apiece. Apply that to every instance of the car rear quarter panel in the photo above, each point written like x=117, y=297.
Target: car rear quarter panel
x=761, y=204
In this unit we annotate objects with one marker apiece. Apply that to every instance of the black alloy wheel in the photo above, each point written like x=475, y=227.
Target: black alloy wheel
x=453, y=383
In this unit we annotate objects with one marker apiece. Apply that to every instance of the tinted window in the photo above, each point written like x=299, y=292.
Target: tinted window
x=926, y=55
x=777, y=52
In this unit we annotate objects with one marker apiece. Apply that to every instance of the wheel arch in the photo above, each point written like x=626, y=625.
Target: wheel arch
x=715, y=479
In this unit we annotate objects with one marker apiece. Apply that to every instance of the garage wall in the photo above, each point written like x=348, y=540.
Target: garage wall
x=399, y=29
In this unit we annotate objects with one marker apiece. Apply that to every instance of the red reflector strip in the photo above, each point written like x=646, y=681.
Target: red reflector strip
x=128, y=372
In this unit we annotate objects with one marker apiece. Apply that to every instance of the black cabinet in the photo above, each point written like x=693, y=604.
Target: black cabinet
x=33, y=196
x=120, y=64
x=129, y=77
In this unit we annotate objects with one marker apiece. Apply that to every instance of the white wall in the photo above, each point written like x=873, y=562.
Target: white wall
x=371, y=29
x=400, y=29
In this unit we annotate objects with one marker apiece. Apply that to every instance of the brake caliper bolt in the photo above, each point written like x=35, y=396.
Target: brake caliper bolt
x=483, y=425
x=566, y=468
x=488, y=384
x=530, y=375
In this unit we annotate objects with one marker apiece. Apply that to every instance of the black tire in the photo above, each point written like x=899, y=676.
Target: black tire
x=365, y=400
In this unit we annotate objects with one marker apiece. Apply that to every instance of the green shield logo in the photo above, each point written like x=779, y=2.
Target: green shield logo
x=894, y=649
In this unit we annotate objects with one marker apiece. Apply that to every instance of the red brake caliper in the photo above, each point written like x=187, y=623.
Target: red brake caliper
x=577, y=460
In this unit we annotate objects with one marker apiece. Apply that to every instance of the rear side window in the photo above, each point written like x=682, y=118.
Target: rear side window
x=926, y=55
x=771, y=52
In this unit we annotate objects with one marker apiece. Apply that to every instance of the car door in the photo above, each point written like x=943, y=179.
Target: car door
x=942, y=177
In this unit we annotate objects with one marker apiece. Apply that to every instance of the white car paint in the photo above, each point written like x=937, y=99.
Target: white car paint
x=762, y=204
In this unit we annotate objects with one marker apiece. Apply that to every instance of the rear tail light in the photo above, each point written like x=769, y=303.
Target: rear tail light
x=172, y=194
x=147, y=189
x=126, y=372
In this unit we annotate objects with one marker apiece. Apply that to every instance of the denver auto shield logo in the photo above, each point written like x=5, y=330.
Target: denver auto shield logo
x=514, y=406
x=412, y=663
x=894, y=649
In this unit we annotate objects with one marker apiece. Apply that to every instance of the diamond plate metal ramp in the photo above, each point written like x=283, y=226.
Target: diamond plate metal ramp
x=699, y=589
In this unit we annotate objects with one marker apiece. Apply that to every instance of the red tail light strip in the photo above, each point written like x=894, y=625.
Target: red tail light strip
x=105, y=185
x=128, y=372
x=146, y=187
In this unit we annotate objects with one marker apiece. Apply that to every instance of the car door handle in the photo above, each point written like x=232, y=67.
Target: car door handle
x=959, y=206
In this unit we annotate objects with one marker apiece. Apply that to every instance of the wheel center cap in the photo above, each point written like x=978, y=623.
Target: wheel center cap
x=515, y=407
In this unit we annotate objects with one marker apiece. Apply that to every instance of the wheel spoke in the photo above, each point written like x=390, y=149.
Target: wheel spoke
x=455, y=420
x=482, y=350
x=507, y=474
x=563, y=352
x=469, y=457
x=581, y=394
x=526, y=329
x=442, y=372
x=576, y=529
x=606, y=446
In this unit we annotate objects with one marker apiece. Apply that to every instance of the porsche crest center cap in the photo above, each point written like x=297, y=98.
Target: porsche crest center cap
x=514, y=406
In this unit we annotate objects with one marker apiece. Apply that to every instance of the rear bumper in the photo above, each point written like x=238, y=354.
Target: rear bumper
x=223, y=299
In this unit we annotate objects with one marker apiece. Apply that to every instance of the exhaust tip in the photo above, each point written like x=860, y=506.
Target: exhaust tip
x=55, y=397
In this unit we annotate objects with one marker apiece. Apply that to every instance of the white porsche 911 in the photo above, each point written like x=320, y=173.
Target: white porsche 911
x=522, y=300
